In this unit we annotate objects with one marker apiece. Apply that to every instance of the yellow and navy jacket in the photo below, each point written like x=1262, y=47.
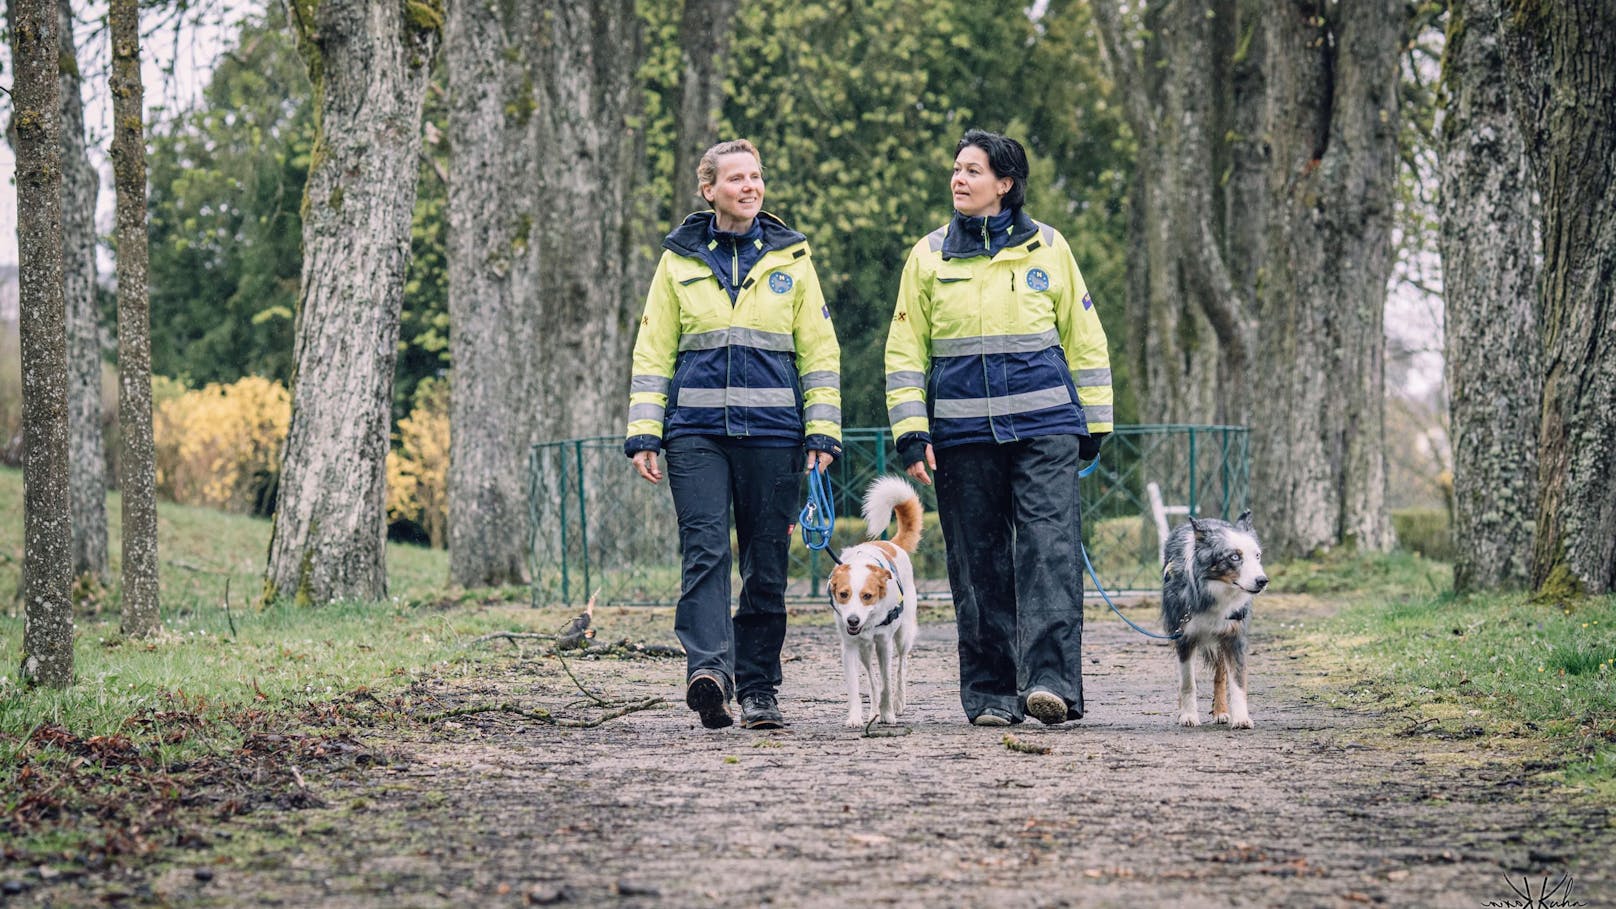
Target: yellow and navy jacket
x=764, y=367
x=995, y=346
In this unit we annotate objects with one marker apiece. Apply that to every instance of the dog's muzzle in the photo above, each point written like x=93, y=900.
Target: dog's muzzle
x=853, y=625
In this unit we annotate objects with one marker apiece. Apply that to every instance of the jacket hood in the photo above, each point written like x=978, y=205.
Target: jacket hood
x=690, y=237
x=964, y=237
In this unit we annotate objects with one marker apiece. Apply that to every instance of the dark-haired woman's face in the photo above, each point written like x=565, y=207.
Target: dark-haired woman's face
x=978, y=191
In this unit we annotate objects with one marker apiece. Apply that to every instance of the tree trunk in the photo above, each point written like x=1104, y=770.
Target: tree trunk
x=369, y=61
x=1564, y=95
x=87, y=459
x=1332, y=137
x=493, y=287
x=1490, y=288
x=1268, y=162
x=137, y=477
x=542, y=261
x=47, y=642
x=705, y=28
x=589, y=95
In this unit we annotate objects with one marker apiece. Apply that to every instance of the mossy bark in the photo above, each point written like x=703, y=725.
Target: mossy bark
x=137, y=472
x=87, y=459
x=1564, y=95
x=548, y=165
x=47, y=645
x=1268, y=170
x=370, y=64
x=1490, y=288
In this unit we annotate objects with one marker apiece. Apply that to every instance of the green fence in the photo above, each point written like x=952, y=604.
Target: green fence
x=595, y=526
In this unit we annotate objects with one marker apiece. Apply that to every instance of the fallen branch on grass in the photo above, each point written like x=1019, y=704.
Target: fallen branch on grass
x=544, y=716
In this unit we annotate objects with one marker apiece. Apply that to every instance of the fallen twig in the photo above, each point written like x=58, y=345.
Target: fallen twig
x=544, y=716
x=1015, y=744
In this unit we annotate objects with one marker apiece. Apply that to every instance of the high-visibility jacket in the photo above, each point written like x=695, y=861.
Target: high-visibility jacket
x=765, y=368
x=995, y=348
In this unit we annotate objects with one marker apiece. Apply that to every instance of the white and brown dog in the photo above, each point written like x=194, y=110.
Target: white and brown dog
x=872, y=592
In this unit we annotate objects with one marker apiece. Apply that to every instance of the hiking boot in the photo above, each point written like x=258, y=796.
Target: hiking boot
x=991, y=717
x=759, y=711
x=705, y=695
x=1047, y=707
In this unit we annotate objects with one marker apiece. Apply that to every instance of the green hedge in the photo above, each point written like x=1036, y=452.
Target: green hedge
x=1425, y=531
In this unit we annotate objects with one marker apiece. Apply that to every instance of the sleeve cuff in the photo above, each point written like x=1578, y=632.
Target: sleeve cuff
x=823, y=443
x=912, y=447
x=636, y=444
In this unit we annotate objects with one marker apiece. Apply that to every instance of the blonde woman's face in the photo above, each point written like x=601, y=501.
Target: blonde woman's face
x=736, y=194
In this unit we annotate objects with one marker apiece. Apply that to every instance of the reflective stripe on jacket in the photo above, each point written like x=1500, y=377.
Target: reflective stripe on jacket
x=995, y=348
x=766, y=366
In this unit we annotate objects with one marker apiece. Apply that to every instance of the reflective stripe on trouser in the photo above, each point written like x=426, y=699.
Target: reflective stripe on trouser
x=1011, y=524
x=708, y=477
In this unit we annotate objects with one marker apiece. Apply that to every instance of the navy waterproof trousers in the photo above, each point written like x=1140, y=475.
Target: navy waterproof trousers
x=711, y=478
x=1012, y=522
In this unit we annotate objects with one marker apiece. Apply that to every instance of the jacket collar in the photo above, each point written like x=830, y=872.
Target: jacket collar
x=964, y=239
x=690, y=237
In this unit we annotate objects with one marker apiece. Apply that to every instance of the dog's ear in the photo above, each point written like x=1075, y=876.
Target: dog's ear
x=1243, y=523
x=1197, y=527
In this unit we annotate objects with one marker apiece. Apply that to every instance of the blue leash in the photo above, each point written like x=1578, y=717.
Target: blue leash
x=818, y=517
x=1083, y=550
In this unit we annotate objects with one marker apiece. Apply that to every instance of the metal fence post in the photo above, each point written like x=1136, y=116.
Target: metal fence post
x=583, y=511
x=561, y=494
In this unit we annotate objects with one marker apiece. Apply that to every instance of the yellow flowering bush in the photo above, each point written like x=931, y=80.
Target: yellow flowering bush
x=220, y=445
x=418, y=466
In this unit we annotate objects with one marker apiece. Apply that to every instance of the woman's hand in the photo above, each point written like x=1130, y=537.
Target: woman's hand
x=646, y=463
x=918, y=469
x=818, y=460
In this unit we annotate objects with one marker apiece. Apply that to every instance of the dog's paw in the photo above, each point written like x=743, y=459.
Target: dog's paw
x=854, y=721
x=1220, y=718
x=889, y=718
x=1240, y=722
x=1188, y=719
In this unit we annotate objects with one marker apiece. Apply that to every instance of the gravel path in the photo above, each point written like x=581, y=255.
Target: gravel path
x=1315, y=807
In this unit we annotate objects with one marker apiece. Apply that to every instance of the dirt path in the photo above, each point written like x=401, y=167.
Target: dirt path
x=1312, y=808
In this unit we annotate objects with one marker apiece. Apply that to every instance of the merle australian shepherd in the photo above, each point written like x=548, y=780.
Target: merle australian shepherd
x=1213, y=570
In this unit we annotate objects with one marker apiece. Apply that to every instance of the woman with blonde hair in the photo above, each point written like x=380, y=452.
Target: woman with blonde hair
x=737, y=378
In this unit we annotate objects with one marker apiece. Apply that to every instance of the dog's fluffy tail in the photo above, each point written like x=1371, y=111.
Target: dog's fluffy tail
x=888, y=495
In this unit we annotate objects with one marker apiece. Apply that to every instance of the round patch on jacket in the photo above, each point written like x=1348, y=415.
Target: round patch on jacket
x=780, y=282
x=1037, y=279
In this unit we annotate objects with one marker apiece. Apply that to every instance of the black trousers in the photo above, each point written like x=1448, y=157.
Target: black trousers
x=710, y=479
x=1012, y=523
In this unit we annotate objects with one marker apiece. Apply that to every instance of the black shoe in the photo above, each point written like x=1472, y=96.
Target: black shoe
x=759, y=711
x=705, y=695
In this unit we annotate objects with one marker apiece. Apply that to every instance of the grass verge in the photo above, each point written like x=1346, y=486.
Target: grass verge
x=230, y=704
x=1497, y=666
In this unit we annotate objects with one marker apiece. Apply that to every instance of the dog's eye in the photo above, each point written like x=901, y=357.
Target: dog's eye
x=867, y=598
x=1259, y=555
x=1235, y=558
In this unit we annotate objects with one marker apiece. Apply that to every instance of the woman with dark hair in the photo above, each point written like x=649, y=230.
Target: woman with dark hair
x=737, y=374
x=998, y=381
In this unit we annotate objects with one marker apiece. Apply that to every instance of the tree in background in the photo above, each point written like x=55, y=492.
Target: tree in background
x=1490, y=285
x=227, y=179
x=544, y=101
x=1563, y=92
x=856, y=109
x=369, y=61
x=47, y=644
x=136, y=466
x=1264, y=205
x=494, y=285
x=87, y=461
x=705, y=31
